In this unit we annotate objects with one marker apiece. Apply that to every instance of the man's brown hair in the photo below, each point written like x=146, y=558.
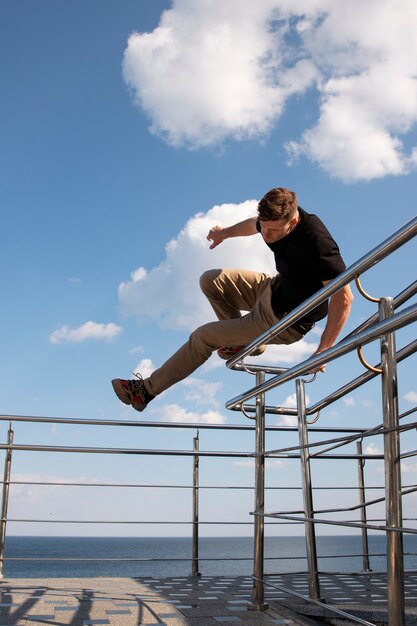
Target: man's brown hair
x=278, y=204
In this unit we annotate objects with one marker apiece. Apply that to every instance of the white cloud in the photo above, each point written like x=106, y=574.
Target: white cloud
x=175, y=413
x=349, y=401
x=220, y=69
x=288, y=420
x=409, y=468
x=89, y=330
x=137, y=350
x=373, y=450
x=208, y=71
x=145, y=368
x=411, y=396
x=183, y=305
x=201, y=392
x=294, y=353
x=34, y=492
x=291, y=402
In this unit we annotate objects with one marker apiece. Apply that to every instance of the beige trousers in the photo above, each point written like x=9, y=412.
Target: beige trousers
x=229, y=292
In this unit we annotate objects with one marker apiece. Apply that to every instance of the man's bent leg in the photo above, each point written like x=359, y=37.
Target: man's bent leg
x=232, y=291
x=196, y=351
x=199, y=347
x=210, y=337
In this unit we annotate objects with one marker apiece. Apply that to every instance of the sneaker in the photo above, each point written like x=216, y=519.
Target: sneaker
x=228, y=351
x=132, y=392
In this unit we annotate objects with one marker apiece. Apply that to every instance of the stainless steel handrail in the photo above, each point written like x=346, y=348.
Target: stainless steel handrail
x=398, y=320
x=382, y=326
x=177, y=425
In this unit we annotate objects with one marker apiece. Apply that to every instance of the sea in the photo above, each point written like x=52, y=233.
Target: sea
x=79, y=557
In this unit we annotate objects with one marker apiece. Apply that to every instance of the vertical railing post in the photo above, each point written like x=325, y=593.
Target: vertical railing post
x=392, y=465
x=196, y=464
x=5, y=496
x=310, y=531
x=362, y=500
x=258, y=592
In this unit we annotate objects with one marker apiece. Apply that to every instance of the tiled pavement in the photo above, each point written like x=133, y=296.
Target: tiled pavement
x=205, y=601
x=188, y=601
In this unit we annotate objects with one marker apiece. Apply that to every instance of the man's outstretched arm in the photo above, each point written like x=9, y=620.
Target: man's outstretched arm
x=217, y=234
x=339, y=309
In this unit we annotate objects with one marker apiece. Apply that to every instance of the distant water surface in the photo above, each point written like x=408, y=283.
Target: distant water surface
x=283, y=554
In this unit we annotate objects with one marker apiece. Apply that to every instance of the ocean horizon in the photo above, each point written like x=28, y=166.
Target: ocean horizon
x=83, y=557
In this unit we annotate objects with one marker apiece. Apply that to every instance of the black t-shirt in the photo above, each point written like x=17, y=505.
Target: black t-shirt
x=305, y=258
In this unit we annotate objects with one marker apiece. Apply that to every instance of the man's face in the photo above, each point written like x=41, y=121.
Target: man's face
x=274, y=230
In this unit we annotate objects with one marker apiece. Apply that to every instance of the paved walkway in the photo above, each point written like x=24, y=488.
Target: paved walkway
x=205, y=601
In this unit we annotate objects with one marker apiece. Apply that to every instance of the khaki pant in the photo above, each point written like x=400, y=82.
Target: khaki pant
x=229, y=292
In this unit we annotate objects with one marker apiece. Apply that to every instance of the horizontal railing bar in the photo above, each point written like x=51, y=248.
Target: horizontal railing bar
x=407, y=455
x=355, y=507
x=129, y=451
x=314, y=520
x=201, y=453
x=95, y=422
x=146, y=452
x=372, y=433
x=196, y=425
x=135, y=486
x=147, y=486
x=323, y=605
x=407, y=413
x=398, y=320
x=62, y=521
x=200, y=558
x=145, y=559
x=202, y=522
x=404, y=234
x=361, y=506
x=276, y=410
x=341, y=441
x=253, y=368
x=344, y=440
x=374, y=457
x=382, y=519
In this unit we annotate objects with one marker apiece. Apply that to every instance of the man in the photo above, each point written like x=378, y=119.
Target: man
x=306, y=258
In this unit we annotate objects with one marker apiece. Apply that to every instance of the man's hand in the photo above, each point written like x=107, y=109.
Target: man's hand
x=322, y=368
x=216, y=234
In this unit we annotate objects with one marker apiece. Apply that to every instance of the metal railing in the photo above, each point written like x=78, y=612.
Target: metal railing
x=382, y=326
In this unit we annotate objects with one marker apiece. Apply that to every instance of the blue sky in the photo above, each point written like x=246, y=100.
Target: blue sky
x=127, y=128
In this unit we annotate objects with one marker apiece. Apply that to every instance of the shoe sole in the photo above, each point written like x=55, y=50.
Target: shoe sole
x=228, y=356
x=120, y=391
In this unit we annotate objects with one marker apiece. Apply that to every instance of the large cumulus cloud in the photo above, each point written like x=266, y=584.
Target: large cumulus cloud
x=224, y=69
x=169, y=293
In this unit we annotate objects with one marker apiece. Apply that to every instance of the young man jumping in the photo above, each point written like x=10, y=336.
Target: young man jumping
x=306, y=258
